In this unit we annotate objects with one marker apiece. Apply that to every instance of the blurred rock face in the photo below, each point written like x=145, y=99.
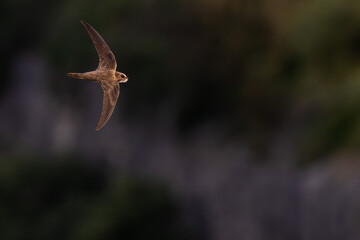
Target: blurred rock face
x=27, y=108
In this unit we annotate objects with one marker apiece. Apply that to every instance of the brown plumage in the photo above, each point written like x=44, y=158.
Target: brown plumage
x=105, y=74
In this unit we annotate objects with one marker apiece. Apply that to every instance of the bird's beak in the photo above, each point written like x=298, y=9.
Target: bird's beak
x=125, y=80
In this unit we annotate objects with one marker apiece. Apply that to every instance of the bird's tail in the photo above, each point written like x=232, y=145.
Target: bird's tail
x=76, y=75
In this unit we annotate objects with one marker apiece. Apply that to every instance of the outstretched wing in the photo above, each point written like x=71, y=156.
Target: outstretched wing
x=111, y=94
x=106, y=57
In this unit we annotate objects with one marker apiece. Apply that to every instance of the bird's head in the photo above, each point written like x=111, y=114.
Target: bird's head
x=121, y=77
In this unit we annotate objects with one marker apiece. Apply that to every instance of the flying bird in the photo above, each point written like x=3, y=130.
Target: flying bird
x=105, y=74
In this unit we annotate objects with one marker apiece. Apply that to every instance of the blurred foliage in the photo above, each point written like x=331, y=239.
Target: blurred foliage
x=326, y=37
x=71, y=199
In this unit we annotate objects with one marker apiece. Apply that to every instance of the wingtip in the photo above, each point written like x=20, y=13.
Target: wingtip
x=84, y=22
x=98, y=128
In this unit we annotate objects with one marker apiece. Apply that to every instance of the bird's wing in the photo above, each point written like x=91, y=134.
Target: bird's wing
x=106, y=57
x=111, y=94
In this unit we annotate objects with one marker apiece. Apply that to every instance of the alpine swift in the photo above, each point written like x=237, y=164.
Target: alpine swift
x=105, y=74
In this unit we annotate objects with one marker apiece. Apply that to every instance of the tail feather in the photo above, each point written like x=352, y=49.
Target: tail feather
x=75, y=75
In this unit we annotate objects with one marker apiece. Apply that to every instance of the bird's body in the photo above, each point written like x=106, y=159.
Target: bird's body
x=106, y=75
x=97, y=75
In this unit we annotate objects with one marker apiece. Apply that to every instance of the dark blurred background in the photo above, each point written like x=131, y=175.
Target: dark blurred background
x=241, y=120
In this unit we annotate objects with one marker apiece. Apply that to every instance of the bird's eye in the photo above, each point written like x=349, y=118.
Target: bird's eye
x=122, y=76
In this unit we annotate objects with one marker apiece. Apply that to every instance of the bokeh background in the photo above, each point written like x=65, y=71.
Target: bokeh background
x=241, y=120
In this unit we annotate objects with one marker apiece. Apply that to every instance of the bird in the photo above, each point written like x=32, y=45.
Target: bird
x=105, y=74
